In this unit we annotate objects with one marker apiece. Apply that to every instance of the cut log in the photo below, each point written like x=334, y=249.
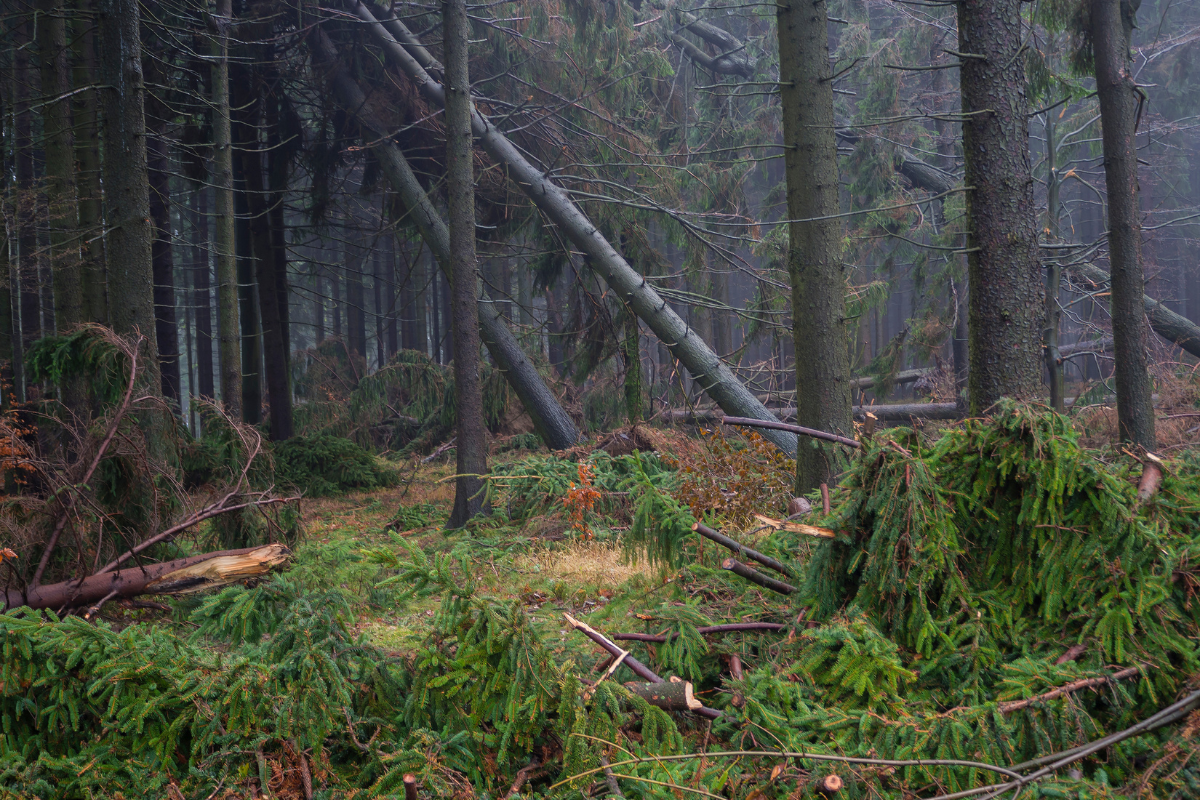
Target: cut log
x=754, y=576
x=181, y=576
x=552, y=422
x=708, y=370
x=638, y=668
x=830, y=784
x=669, y=696
x=735, y=672
x=739, y=549
x=1152, y=474
x=410, y=787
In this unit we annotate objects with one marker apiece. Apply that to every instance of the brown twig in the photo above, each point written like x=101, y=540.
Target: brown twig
x=525, y=774
x=104, y=444
x=1074, y=686
x=735, y=672
x=734, y=627
x=825, y=507
x=797, y=429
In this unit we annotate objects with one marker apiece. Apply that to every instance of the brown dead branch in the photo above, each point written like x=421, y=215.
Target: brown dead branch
x=739, y=549
x=795, y=527
x=1074, y=686
x=754, y=576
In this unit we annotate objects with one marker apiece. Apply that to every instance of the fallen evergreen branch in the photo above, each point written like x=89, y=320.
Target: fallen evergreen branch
x=1074, y=686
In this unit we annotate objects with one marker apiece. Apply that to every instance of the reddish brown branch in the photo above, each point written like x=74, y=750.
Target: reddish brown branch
x=754, y=576
x=740, y=549
x=1074, y=686
x=797, y=429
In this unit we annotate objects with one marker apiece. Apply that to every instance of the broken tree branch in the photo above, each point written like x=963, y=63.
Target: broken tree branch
x=638, y=668
x=796, y=527
x=669, y=695
x=733, y=627
x=754, y=576
x=1074, y=686
x=785, y=426
x=739, y=549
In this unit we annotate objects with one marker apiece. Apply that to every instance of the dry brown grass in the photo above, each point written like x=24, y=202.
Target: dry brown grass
x=580, y=561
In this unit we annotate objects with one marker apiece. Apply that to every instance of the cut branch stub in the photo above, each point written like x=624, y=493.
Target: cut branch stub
x=669, y=695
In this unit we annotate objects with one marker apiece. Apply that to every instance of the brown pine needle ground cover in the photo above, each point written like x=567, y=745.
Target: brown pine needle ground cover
x=996, y=593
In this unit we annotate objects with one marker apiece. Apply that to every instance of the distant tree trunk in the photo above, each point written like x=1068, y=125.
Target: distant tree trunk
x=202, y=298
x=815, y=265
x=377, y=292
x=279, y=341
x=165, y=323
x=126, y=183
x=24, y=207
x=251, y=342
x=1054, y=362
x=318, y=306
x=225, y=241
x=1118, y=115
x=1004, y=272
x=631, y=354
x=469, y=487
x=356, y=317
x=335, y=291
x=92, y=279
x=59, y=146
x=389, y=280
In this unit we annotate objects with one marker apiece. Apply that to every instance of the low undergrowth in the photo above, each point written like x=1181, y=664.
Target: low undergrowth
x=992, y=596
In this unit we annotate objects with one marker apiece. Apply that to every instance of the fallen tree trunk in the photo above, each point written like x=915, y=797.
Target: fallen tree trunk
x=902, y=377
x=894, y=412
x=812, y=433
x=181, y=576
x=552, y=422
x=733, y=58
x=706, y=368
x=741, y=550
x=1176, y=329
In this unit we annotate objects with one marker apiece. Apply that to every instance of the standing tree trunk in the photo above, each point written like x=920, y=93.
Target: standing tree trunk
x=165, y=324
x=1118, y=115
x=815, y=264
x=92, y=279
x=201, y=294
x=24, y=208
x=377, y=296
x=126, y=182
x=1004, y=273
x=470, y=489
x=356, y=317
x=247, y=295
x=228, y=350
x=1054, y=362
x=60, y=164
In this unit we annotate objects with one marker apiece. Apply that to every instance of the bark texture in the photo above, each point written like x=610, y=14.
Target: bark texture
x=1006, y=298
x=59, y=146
x=126, y=183
x=685, y=344
x=815, y=265
x=551, y=420
x=93, y=281
x=469, y=486
x=1118, y=118
x=224, y=242
x=166, y=329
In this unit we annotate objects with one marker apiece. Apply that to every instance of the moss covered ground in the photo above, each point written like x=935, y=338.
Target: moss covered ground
x=996, y=593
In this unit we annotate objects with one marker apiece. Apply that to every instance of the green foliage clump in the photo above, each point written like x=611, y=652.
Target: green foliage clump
x=325, y=465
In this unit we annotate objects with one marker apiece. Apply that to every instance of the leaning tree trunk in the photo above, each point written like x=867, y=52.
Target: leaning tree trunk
x=126, y=182
x=1174, y=328
x=1006, y=296
x=685, y=344
x=229, y=357
x=470, y=498
x=551, y=420
x=1118, y=118
x=815, y=264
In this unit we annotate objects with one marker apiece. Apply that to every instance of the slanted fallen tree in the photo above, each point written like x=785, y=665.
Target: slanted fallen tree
x=1175, y=328
x=705, y=366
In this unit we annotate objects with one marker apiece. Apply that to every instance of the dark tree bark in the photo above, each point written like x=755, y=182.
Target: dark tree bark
x=201, y=295
x=1006, y=296
x=247, y=298
x=225, y=241
x=392, y=321
x=318, y=306
x=165, y=324
x=126, y=183
x=377, y=296
x=356, y=317
x=93, y=281
x=1119, y=105
x=815, y=266
x=25, y=207
x=470, y=498
x=266, y=252
x=59, y=147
